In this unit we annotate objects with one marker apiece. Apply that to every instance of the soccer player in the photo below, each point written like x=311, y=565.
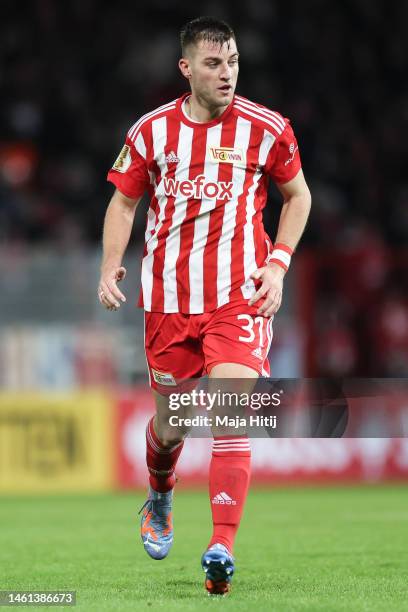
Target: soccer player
x=211, y=278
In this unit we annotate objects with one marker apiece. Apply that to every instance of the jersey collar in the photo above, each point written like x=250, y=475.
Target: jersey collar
x=198, y=124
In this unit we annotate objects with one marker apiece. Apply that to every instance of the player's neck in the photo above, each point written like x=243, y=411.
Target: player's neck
x=198, y=110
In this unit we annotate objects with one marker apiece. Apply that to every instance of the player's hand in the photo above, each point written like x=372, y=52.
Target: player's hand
x=108, y=292
x=271, y=289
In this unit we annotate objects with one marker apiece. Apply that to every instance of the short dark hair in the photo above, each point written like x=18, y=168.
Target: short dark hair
x=205, y=28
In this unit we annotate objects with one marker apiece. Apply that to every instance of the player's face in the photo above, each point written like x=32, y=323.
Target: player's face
x=213, y=72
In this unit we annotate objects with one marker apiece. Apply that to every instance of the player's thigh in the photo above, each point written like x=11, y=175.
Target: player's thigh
x=234, y=370
x=236, y=347
x=172, y=354
x=236, y=334
x=175, y=362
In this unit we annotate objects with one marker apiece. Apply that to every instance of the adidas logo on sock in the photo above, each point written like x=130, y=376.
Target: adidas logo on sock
x=223, y=498
x=172, y=158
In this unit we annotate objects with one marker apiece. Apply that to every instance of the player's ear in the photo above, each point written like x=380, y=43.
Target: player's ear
x=184, y=66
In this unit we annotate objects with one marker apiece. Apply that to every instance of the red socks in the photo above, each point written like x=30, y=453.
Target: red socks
x=229, y=481
x=161, y=461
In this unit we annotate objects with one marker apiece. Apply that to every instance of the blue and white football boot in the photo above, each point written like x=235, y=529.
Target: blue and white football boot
x=218, y=565
x=156, y=528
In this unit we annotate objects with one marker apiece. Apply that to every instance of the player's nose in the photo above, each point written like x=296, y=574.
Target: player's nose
x=226, y=73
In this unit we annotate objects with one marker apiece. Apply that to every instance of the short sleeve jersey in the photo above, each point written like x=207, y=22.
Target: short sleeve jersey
x=207, y=184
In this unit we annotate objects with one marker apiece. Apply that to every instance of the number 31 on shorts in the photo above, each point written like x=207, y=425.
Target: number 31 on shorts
x=260, y=326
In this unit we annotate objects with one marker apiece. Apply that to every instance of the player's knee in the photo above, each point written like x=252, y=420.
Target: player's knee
x=170, y=435
x=170, y=438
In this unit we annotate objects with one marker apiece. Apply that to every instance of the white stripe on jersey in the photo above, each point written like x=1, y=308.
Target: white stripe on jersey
x=159, y=132
x=255, y=113
x=266, y=145
x=242, y=135
x=140, y=145
x=201, y=225
x=248, y=288
x=264, y=111
x=172, y=248
x=144, y=118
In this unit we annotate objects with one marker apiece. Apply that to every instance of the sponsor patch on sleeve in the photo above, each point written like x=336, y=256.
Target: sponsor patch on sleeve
x=123, y=160
x=292, y=151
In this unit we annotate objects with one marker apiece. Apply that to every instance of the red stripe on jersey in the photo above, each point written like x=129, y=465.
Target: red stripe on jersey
x=198, y=154
x=261, y=238
x=237, y=245
x=216, y=220
x=152, y=213
x=173, y=132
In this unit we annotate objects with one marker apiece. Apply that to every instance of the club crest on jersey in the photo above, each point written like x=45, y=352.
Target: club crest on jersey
x=227, y=155
x=123, y=160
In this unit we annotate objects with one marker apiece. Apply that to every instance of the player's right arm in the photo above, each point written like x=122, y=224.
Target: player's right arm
x=130, y=176
x=117, y=228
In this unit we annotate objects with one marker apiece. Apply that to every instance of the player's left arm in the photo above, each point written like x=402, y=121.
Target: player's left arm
x=292, y=222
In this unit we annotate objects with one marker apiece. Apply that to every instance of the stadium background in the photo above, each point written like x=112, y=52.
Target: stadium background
x=328, y=515
x=73, y=79
x=74, y=76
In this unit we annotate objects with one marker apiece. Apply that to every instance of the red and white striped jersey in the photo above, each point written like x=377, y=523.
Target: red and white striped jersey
x=208, y=185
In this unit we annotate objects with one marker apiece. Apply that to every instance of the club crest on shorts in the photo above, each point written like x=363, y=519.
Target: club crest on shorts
x=123, y=160
x=163, y=378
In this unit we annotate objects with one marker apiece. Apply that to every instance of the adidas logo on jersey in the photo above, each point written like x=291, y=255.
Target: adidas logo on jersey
x=257, y=353
x=171, y=158
x=224, y=498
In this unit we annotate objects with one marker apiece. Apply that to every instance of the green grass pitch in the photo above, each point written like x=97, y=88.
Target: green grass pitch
x=340, y=549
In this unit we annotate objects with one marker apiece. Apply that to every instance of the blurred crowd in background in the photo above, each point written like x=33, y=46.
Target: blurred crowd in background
x=75, y=76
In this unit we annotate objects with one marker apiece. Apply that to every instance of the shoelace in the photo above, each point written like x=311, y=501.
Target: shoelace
x=148, y=501
x=146, y=504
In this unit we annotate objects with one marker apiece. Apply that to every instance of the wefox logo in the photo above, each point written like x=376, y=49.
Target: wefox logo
x=198, y=188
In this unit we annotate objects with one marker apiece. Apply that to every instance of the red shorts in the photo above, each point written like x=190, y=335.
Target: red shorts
x=181, y=346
